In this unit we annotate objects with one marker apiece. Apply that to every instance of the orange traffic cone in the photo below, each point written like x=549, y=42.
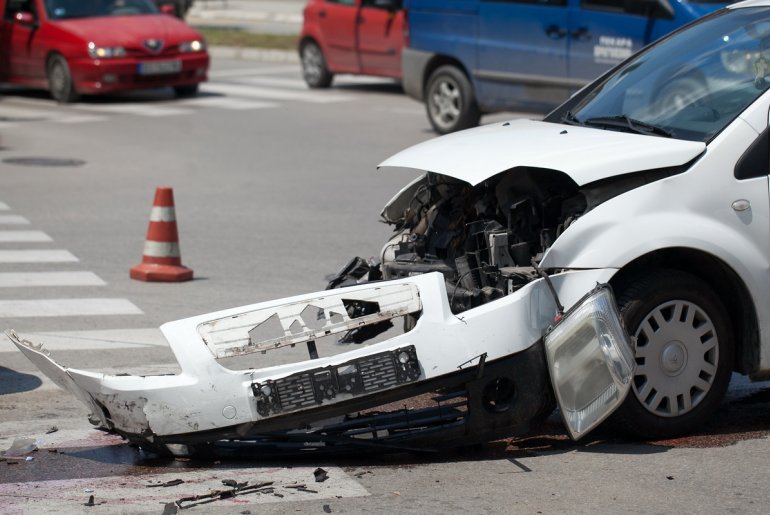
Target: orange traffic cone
x=162, y=261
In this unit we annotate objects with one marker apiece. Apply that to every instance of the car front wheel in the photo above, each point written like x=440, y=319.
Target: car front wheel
x=449, y=101
x=684, y=353
x=314, y=69
x=60, y=80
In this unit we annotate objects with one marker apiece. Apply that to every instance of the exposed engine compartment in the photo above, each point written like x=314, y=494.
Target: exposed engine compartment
x=483, y=239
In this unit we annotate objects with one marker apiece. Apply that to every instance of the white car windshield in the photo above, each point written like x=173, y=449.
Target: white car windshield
x=690, y=85
x=67, y=9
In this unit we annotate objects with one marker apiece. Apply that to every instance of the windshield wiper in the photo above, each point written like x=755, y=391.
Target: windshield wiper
x=570, y=119
x=622, y=121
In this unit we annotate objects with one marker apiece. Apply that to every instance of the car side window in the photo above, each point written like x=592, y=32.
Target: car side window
x=393, y=5
x=341, y=2
x=17, y=6
x=553, y=3
x=648, y=9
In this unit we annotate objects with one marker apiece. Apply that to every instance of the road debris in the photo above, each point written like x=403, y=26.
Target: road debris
x=170, y=508
x=320, y=475
x=327, y=508
x=51, y=429
x=262, y=488
x=90, y=501
x=173, y=482
x=301, y=488
x=20, y=447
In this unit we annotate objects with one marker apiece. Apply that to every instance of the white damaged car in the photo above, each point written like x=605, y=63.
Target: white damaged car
x=651, y=182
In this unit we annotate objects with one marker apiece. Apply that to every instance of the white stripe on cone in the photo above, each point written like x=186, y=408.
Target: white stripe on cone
x=161, y=249
x=162, y=214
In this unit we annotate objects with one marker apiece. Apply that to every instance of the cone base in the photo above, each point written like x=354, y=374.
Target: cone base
x=161, y=273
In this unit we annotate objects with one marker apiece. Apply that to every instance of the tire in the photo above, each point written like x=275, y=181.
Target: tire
x=314, y=69
x=449, y=101
x=186, y=91
x=60, y=82
x=684, y=353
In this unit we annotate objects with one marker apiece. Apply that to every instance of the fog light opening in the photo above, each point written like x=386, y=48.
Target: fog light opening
x=499, y=395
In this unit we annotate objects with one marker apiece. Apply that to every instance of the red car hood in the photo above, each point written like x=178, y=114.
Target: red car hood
x=130, y=31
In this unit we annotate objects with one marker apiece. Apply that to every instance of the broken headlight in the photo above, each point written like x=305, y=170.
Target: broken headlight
x=591, y=361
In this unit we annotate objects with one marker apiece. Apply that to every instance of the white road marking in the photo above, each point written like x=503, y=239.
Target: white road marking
x=81, y=118
x=67, y=307
x=276, y=82
x=4, y=206
x=229, y=103
x=23, y=236
x=36, y=279
x=130, y=493
x=246, y=72
x=36, y=256
x=13, y=220
x=136, y=109
x=274, y=94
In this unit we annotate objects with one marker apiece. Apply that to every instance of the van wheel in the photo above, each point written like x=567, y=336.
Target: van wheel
x=60, y=80
x=314, y=69
x=449, y=101
x=684, y=353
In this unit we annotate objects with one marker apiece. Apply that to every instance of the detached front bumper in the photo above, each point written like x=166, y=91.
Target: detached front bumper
x=493, y=354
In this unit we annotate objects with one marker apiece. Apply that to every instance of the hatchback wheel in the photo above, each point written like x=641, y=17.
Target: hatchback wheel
x=684, y=353
x=60, y=80
x=314, y=69
x=449, y=101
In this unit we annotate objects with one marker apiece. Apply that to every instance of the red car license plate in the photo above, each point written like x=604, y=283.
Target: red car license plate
x=159, y=67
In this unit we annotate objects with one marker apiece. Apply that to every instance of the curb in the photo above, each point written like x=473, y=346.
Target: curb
x=254, y=54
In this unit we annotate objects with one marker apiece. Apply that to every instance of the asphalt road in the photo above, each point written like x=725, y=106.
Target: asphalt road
x=276, y=187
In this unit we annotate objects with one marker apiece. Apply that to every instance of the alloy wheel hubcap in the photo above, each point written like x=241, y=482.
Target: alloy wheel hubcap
x=445, y=104
x=311, y=62
x=677, y=354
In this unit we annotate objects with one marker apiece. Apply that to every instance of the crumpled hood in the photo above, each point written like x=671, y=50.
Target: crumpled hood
x=130, y=31
x=585, y=154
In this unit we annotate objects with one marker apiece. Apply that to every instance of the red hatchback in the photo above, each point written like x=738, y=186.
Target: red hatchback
x=363, y=37
x=98, y=46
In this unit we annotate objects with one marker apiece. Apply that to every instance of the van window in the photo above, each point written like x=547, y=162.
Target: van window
x=604, y=5
x=537, y=2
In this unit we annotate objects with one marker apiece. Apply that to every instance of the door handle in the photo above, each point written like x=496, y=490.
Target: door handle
x=322, y=14
x=582, y=34
x=360, y=20
x=555, y=32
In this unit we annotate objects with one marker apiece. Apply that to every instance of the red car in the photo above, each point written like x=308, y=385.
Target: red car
x=73, y=47
x=363, y=37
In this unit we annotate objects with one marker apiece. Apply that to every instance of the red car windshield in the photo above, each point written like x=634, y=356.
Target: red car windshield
x=67, y=9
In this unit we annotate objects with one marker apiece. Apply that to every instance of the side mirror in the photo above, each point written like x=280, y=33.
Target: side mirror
x=25, y=18
x=168, y=9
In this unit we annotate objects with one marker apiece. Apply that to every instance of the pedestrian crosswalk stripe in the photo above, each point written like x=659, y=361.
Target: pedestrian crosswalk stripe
x=37, y=279
x=243, y=90
x=81, y=118
x=13, y=220
x=276, y=82
x=136, y=109
x=4, y=206
x=23, y=237
x=36, y=256
x=247, y=72
x=67, y=307
x=229, y=103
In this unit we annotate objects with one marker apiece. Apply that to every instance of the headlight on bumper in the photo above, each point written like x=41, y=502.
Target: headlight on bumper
x=105, y=52
x=192, y=46
x=591, y=361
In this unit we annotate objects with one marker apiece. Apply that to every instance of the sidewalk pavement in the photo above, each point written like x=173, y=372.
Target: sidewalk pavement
x=264, y=16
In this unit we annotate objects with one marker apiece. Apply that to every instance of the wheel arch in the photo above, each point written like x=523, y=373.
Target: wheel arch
x=440, y=60
x=727, y=284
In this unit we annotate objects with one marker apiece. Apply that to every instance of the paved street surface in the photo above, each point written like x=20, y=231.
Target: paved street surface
x=269, y=16
x=275, y=188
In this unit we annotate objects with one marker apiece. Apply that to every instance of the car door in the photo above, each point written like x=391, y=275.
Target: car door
x=603, y=33
x=17, y=42
x=337, y=20
x=521, y=44
x=381, y=37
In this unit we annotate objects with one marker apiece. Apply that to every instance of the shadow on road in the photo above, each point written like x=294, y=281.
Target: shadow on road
x=16, y=382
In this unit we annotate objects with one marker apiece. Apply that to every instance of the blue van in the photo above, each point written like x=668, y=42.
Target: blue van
x=465, y=58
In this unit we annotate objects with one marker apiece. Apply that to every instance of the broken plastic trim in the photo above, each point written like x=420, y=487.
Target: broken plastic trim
x=591, y=361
